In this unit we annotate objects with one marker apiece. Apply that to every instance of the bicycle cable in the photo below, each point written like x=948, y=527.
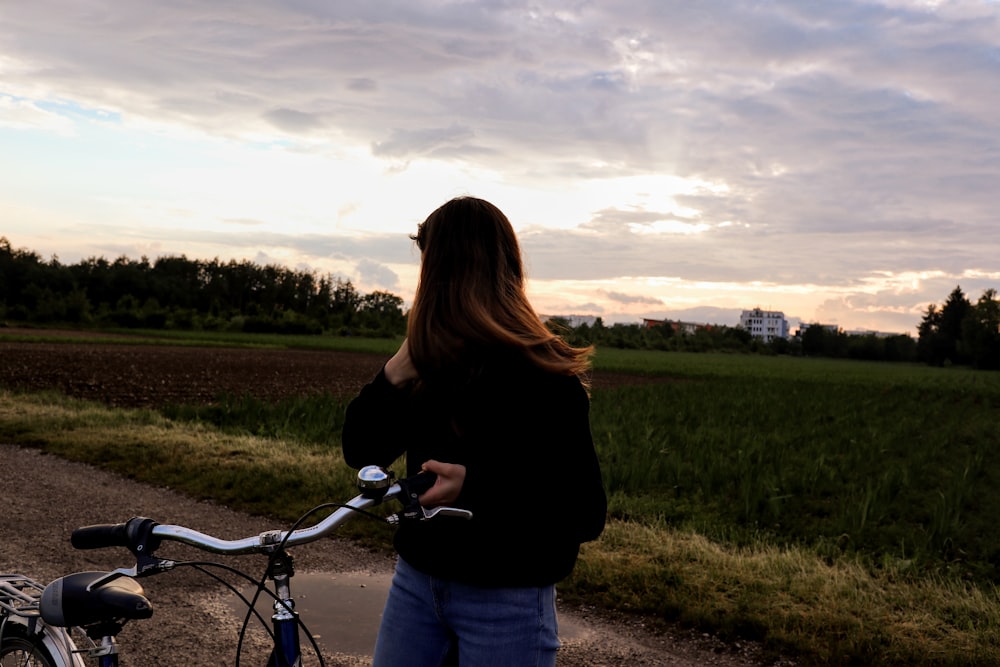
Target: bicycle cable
x=202, y=566
x=262, y=585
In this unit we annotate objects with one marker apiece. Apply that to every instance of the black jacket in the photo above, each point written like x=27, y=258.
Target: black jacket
x=532, y=480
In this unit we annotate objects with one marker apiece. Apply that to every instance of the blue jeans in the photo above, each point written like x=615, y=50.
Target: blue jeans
x=431, y=622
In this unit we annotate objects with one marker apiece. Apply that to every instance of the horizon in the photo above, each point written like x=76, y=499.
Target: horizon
x=699, y=315
x=702, y=314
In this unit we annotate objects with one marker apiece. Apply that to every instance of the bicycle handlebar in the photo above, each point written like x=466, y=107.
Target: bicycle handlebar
x=142, y=535
x=268, y=539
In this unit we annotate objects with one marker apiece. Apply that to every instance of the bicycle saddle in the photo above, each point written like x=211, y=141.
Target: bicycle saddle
x=73, y=600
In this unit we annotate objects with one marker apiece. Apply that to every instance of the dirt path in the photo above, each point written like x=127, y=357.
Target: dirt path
x=45, y=497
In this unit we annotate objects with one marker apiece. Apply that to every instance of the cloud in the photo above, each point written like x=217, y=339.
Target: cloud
x=244, y=222
x=295, y=122
x=786, y=145
x=378, y=276
x=426, y=141
x=362, y=84
x=20, y=114
x=632, y=299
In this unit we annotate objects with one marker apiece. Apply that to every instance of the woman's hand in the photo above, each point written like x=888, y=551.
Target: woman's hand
x=450, y=477
x=400, y=369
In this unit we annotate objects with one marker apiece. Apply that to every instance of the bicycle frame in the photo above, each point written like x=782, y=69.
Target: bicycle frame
x=287, y=651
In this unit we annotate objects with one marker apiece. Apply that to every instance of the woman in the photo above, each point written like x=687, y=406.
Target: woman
x=485, y=396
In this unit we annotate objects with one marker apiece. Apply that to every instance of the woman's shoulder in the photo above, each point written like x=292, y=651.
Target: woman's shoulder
x=511, y=368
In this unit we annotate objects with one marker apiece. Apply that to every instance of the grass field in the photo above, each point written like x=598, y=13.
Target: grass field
x=841, y=511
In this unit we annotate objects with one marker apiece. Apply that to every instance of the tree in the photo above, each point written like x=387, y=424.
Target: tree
x=981, y=332
x=940, y=331
x=179, y=292
x=819, y=341
x=953, y=314
x=928, y=346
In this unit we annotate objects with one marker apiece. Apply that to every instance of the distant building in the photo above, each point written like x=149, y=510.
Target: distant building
x=765, y=324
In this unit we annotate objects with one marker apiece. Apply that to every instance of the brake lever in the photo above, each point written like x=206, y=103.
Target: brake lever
x=431, y=512
x=150, y=567
x=427, y=513
x=374, y=481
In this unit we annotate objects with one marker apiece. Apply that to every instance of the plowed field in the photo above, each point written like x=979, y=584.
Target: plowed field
x=151, y=375
x=146, y=375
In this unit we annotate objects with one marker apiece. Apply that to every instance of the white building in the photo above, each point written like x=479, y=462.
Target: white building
x=765, y=324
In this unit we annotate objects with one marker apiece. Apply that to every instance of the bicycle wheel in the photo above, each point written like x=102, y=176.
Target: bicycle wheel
x=19, y=650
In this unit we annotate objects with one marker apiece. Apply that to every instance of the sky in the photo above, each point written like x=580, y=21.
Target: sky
x=838, y=161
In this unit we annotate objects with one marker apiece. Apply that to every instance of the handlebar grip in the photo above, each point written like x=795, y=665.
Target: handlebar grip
x=100, y=536
x=417, y=485
x=136, y=534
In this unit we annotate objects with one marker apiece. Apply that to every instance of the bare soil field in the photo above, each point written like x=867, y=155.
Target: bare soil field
x=52, y=496
x=152, y=375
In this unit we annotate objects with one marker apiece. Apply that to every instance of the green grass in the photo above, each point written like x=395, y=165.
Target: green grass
x=902, y=472
x=784, y=368
x=842, y=511
x=837, y=613
x=232, y=466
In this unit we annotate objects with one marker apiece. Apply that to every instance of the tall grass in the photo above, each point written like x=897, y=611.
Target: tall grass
x=317, y=418
x=824, y=613
x=901, y=472
x=281, y=478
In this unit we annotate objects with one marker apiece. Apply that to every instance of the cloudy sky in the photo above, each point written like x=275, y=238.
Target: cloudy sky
x=837, y=160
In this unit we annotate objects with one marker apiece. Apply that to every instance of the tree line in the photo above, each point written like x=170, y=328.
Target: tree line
x=811, y=341
x=180, y=293
x=962, y=332
x=175, y=292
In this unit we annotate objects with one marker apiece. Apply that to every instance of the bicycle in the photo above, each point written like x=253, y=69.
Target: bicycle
x=76, y=618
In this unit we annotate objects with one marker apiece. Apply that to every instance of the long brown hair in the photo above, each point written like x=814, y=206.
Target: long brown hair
x=471, y=299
